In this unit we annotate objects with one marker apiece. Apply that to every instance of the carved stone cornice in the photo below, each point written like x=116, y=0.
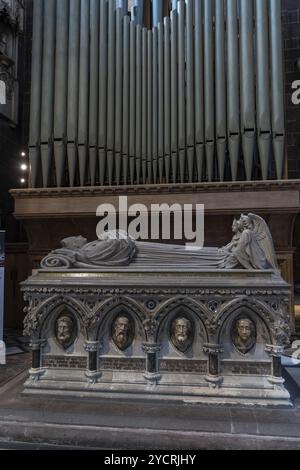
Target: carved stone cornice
x=243, y=186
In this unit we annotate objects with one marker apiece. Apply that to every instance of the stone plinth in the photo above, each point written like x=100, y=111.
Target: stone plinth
x=182, y=335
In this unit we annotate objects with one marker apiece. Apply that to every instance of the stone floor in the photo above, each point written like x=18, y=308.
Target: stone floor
x=48, y=423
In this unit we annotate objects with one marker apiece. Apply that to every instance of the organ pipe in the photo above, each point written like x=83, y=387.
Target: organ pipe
x=36, y=88
x=130, y=105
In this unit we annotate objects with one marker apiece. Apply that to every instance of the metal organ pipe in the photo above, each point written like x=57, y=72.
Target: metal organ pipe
x=94, y=88
x=174, y=94
x=221, y=120
x=167, y=99
x=209, y=89
x=157, y=12
x=199, y=89
x=233, y=102
x=83, y=100
x=47, y=100
x=103, y=72
x=248, y=126
x=277, y=92
x=119, y=94
x=126, y=72
x=190, y=88
x=36, y=88
x=263, y=85
x=135, y=105
x=61, y=89
x=73, y=88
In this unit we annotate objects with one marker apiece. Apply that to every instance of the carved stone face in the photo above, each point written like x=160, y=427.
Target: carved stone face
x=182, y=335
x=244, y=334
x=74, y=243
x=122, y=332
x=65, y=331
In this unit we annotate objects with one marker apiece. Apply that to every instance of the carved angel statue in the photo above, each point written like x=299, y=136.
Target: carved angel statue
x=252, y=245
x=250, y=248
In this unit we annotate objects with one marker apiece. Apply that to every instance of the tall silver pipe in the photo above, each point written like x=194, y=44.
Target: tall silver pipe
x=190, y=87
x=94, y=88
x=181, y=90
x=132, y=105
x=126, y=79
x=138, y=12
x=209, y=88
x=167, y=99
x=83, y=101
x=233, y=102
x=119, y=93
x=36, y=88
x=161, y=101
x=61, y=88
x=174, y=93
x=150, y=106
x=48, y=89
x=155, y=104
x=73, y=88
x=220, y=71
x=277, y=91
x=103, y=73
x=139, y=91
x=157, y=12
x=247, y=86
x=263, y=85
x=144, y=104
x=174, y=4
x=199, y=88
x=111, y=90
x=123, y=6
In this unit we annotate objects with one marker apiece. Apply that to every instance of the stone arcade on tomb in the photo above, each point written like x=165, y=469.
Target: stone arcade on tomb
x=158, y=330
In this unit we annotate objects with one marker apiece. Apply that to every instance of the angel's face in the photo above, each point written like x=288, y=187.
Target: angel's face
x=245, y=222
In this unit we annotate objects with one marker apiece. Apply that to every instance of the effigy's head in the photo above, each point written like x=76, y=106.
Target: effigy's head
x=74, y=243
x=114, y=235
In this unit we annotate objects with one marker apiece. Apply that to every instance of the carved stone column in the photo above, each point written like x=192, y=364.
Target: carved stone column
x=152, y=373
x=275, y=352
x=213, y=351
x=92, y=372
x=36, y=370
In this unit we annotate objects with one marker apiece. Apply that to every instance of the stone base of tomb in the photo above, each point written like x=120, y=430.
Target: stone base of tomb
x=212, y=369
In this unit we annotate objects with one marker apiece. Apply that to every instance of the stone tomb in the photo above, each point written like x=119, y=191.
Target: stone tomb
x=200, y=337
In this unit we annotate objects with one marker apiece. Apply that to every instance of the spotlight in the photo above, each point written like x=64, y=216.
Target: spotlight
x=22, y=181
x=24, y=167
x=23, y=154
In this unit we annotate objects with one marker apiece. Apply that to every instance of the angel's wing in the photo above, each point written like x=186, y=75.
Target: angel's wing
x=264, y=238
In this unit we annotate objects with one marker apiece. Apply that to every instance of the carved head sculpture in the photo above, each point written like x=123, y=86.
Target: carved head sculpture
x=245, y=222
x=65, y=330
x=244, y=334
x=182, y=333
x=74, y=243
x=122, y=331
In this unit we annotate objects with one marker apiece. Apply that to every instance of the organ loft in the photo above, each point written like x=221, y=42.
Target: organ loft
x=162, y=101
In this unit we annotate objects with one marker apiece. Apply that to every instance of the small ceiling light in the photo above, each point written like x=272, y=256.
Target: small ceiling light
x=23, y=181
x=24, y=167
x=23, y=154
